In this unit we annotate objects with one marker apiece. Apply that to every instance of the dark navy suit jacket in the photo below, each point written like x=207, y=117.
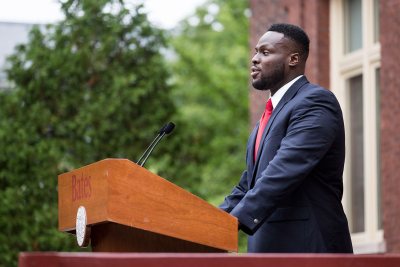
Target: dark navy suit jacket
x=289, y=199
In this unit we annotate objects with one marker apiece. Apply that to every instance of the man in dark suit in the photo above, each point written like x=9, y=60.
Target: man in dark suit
x=289, y=197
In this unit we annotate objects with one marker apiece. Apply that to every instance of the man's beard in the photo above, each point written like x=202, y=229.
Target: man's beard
x=274, y=78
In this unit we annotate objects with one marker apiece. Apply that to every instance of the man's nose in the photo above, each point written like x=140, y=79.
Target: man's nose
x=256, y=59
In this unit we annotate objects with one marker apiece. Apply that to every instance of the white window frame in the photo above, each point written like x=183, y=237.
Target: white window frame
x=344, y=66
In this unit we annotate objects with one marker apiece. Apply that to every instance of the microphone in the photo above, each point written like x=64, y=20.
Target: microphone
x=166, y=129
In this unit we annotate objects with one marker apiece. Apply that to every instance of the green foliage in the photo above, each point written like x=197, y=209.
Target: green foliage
x=95, y=86
x=90, y=87
x=211, y=96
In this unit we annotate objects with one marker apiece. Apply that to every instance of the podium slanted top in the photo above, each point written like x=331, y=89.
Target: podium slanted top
x=120, y=191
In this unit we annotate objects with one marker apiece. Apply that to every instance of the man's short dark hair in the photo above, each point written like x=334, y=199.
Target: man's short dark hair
x=294, y=33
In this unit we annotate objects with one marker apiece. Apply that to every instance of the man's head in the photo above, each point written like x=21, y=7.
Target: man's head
x=280, y=55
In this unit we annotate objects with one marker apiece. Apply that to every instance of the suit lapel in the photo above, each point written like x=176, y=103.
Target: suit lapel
x=286, y=98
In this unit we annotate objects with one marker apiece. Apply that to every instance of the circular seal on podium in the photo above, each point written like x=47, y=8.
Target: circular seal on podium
x=82, y=230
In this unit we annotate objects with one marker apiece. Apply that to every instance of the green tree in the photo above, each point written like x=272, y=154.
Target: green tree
x=211, y=95
x=90, y=87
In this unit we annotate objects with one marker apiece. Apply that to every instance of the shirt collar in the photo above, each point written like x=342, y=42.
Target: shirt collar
x=276, y=98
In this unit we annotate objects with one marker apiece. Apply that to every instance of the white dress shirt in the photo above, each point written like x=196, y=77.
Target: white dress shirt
x=281, y=92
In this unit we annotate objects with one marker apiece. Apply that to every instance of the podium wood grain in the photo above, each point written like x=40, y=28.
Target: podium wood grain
x=124, y=201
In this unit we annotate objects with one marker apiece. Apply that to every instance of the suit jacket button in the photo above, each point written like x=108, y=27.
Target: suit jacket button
x=256, y=221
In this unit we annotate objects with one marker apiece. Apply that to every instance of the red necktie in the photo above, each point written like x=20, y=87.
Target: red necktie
x=263, y=123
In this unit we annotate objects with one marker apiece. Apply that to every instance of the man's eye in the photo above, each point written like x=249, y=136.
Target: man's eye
x=265, y=53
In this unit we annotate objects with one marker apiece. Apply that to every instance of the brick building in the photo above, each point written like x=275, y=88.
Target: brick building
x=354, y=52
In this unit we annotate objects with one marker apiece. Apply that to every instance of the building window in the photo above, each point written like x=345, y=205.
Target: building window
x=376, y=21
x=353, y=25
x=378, y=147
x=356, y=125
x=355, y=62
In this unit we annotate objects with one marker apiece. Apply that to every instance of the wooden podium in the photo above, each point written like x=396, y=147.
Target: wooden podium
x=130, y=209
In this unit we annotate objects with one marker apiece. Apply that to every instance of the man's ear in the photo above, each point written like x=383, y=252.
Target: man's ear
x=294, y=59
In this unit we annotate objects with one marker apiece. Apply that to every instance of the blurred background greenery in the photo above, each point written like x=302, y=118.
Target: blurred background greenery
x=99, y=84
